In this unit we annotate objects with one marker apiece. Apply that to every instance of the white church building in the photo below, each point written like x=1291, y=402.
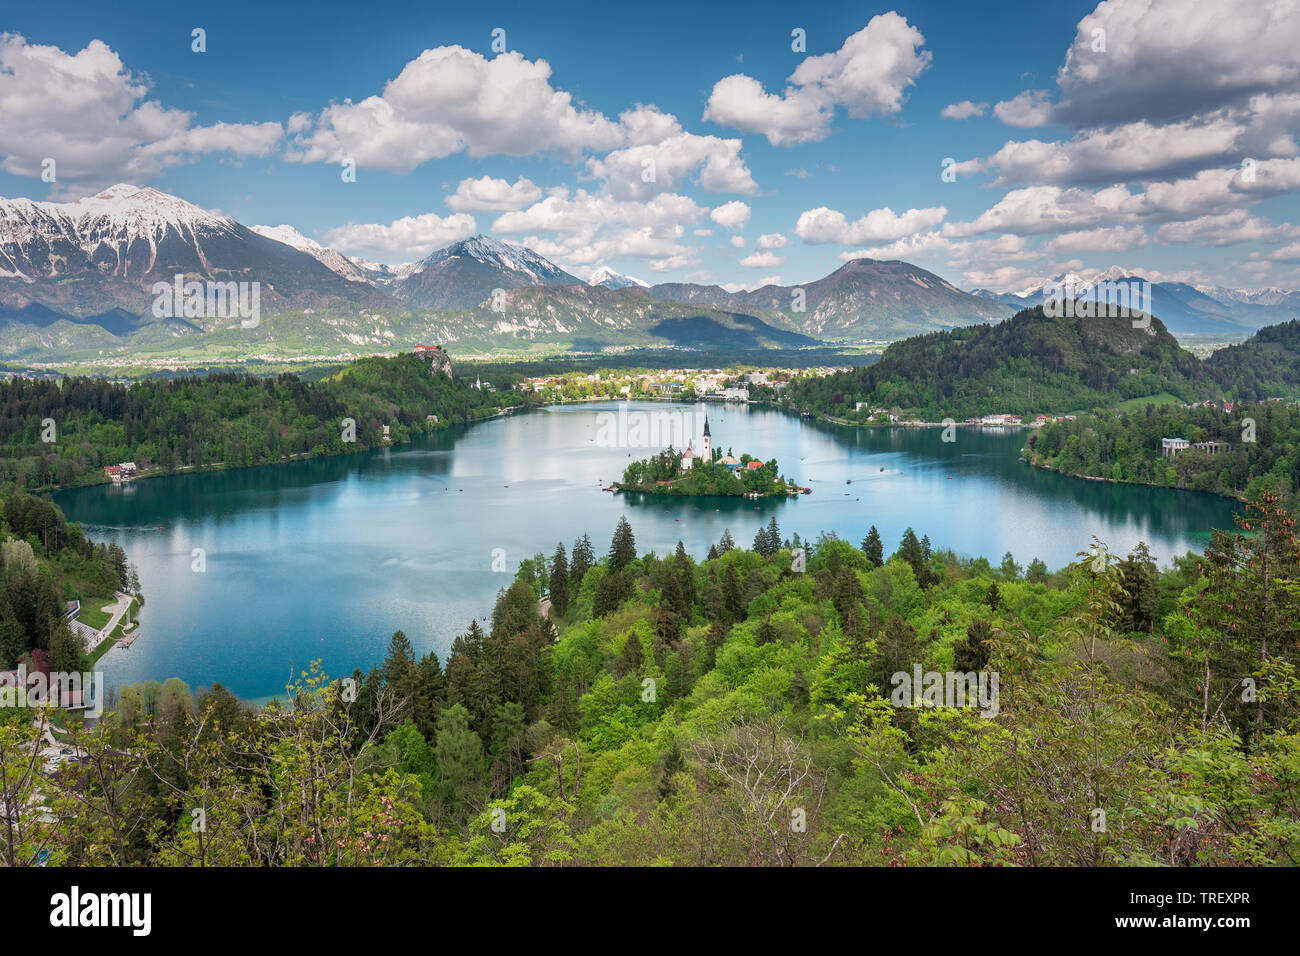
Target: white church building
x=689, y=457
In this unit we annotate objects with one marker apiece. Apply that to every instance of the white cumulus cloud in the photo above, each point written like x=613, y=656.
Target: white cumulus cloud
x=868, y=76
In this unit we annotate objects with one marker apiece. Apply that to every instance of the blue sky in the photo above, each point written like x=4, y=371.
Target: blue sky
x=1171, y=149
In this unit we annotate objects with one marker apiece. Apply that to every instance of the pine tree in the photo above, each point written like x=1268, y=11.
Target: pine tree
x=846, y=592
x=899, y=649
x=559, y=582
x=581, y=562
x=800, y=691
x=972, y=652
x=872, y=548
x=1010, y=570
x=1036, y=573
x=673, y=764
x=13, y=642
x=632, y=658
x=430, y=695
x=66, y=653
x=399, y=672
x=622, y=547
x=909, y=549
x=671, y=595
x=508, y=750
x=713, y=641
x=733, y=597
x=611, y=591
x=727, y=542
x=773, y=536
x=458, y=756
x=685, y=572
x=1139, y=577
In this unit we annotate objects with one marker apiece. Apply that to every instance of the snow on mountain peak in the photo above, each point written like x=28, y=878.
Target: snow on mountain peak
x=141, y=207
x=506, y=255
x=614, y=280
x=1115, y=273
x=290, y=237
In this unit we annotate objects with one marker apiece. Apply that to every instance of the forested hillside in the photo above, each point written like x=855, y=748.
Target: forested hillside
x=45, y=562
x=1262, y=446
x=740, y=710
x=1033, y=364
x=226, y=419
x=1267, y=365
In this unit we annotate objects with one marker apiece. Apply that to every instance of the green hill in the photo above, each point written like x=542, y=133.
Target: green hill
x=1032, y=364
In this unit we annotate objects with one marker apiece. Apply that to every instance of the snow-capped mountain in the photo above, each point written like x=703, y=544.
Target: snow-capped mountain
x=77, y=278
x=330, y=258
x=615, y=280
x=123, y=231
x=1184, y=309
x=1268, y=296
x=383, y=273
x=119, y=243
x=465, y=273
x=504, y=255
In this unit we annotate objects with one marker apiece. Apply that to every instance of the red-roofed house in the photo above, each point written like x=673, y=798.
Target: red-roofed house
x=754, y=465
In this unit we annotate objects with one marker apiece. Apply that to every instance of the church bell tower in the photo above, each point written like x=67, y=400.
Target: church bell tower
x=707, y=453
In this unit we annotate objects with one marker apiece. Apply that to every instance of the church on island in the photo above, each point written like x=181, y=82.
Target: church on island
x=689, y=457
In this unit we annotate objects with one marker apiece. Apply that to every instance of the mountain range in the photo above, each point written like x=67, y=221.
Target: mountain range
x=1199, y=310
x=77, y=281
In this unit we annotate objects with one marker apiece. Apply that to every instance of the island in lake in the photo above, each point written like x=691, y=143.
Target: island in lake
x=707, y=473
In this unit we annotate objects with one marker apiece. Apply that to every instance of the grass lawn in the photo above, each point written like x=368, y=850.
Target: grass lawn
x=1137, y=404
x=91, y=615
x=115, y=635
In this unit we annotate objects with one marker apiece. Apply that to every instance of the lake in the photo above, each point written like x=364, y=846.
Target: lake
x=326, y=558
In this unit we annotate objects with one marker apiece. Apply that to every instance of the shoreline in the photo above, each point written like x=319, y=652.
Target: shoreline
x=814, y=416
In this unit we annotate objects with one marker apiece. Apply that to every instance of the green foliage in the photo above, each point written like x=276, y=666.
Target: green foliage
x=739, y=712
x=1262, y=447
x=222, y=419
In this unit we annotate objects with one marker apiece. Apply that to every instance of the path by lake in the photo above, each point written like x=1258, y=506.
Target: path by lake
x=326, y=558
